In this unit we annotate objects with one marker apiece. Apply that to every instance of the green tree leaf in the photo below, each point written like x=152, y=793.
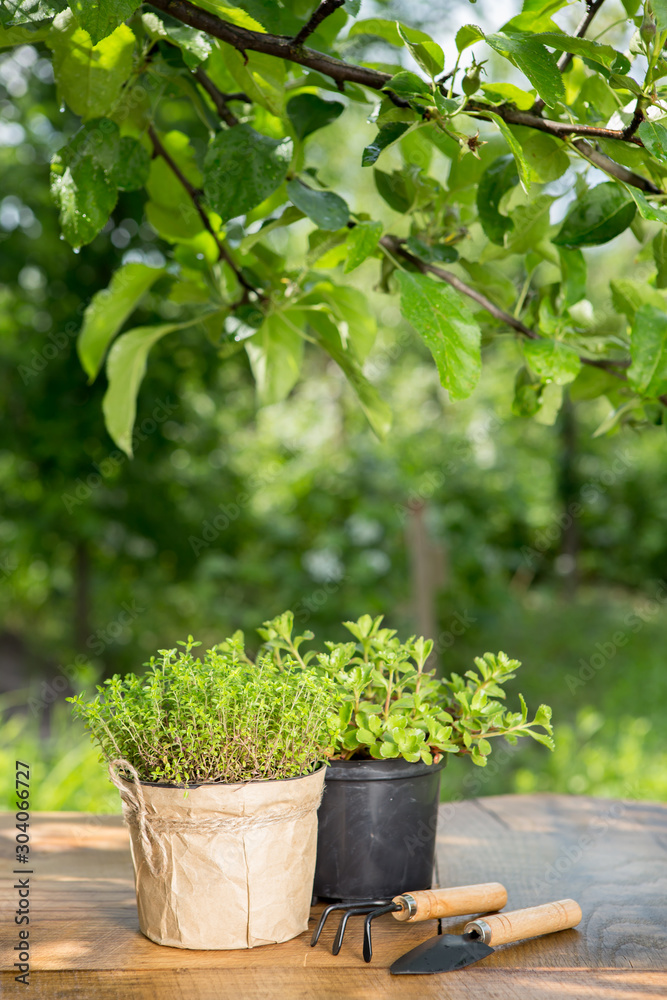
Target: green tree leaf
x=544, y=155
x=447, y=327
x=195, y=45
x=328, y=337
x=126, y=366
x=628, y=296
x=327, y=210
x=531, y=225
x=601, y=214
x=362, y=241
x=85, y=197
x=585, y=48
x=535, y=61
x=396, y=189
x=654, y=136
x=516, y=149
x=497, y=179
x=387, y=30
x=21, y=12
x=426, y=54
x=100, y=17
x=308, y=113
x=648, y=350
x=387, y=135
x=646, y=210
x=242, y=168
x=276, y=354
x=468, y=35
x=552, y=360
x=109, y=309
x=89, y=77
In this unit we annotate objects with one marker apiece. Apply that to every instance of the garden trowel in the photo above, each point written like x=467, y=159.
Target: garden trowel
x=448, y=952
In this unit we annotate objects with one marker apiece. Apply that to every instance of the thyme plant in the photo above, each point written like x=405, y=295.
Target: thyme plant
x=223, y=717
x=390, y=705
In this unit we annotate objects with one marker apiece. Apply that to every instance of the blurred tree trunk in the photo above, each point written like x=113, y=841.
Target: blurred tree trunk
x=568, y=488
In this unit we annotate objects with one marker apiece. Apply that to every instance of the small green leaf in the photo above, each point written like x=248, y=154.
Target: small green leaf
x=109, y=309
x=243, y=167
x=468, y=35
x=308, y=113
x=603, y=212
x=386, y=137
x=126, y=366
x=327, y=210
x=648, y=350
x=498, y=178
x=545, y=156
x=628, y=296
x=396, y=189
x=29, y=12
x=527, y=393
x=276, y=354
x=654, y=136
x=447, y=327
x=101, y=17
x=552, y=360
x=362, y=241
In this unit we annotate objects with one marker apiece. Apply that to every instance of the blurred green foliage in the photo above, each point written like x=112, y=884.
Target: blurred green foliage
x=541, y=540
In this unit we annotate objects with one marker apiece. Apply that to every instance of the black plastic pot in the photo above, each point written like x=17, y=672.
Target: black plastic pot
x=377, y=826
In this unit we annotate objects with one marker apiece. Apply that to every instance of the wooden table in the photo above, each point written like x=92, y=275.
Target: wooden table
x=609, y=855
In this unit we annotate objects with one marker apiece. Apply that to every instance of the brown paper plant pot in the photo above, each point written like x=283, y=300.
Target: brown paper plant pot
x=228, y=866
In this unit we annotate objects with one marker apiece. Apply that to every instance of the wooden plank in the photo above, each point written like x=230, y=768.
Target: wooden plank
x=610, y=856
x=340, y=984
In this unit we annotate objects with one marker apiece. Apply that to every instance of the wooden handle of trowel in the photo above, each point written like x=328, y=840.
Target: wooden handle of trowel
x=502, y=928
x=431, y=903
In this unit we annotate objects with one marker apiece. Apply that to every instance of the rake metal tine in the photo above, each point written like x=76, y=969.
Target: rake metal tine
x=351, y=911
x=368, y=944
x=323, y=919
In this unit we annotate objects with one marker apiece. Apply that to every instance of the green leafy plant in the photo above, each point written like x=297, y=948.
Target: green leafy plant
x=223, y=717
x=390, y=705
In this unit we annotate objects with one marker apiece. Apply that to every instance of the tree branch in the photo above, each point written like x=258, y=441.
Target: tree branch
x=599, y=159
x=219, y=99
x=395, y=246
x=565, y=59
x=326, y=8
x=280, y=46
x=195, y=196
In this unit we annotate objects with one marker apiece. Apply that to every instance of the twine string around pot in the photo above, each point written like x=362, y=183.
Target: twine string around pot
x=152, y=826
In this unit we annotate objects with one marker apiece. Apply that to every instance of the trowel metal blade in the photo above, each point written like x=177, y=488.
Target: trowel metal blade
x=441, y=954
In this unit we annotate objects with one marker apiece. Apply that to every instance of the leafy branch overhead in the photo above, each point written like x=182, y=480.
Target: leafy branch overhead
x=492, y=177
